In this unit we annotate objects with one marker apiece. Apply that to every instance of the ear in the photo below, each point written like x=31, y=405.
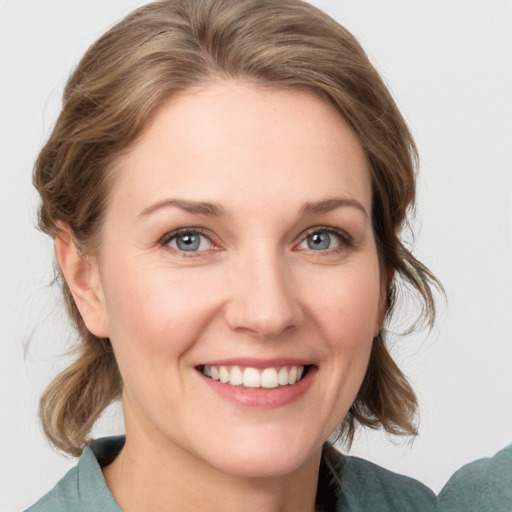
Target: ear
x=82, y=275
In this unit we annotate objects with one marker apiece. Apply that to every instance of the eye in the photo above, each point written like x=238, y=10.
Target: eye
x=324, y=239
x=188, y=241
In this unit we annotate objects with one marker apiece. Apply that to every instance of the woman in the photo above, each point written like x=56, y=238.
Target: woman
x=226, y=185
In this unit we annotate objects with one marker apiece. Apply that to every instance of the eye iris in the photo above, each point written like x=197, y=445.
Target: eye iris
x=319, y=241
x=189, y=242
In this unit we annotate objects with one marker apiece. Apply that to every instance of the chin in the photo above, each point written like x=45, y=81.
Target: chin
x=263, y=457
x=262, y=466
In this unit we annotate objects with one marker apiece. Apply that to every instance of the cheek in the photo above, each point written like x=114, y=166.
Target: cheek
x=155, y=320
x=345, y=308
x=348, y=305
x=152, y=310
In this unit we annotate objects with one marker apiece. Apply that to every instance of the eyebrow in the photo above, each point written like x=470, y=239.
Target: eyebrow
x=217, y=210
x=310, y=208
x=197, y=207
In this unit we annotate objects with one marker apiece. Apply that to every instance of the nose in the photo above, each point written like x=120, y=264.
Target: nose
x=262, y=300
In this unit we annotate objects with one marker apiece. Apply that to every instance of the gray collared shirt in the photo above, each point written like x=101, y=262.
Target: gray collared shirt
x=363, y=486
x=484, y=485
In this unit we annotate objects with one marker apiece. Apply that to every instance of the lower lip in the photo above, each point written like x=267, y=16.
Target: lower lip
x=261, y=397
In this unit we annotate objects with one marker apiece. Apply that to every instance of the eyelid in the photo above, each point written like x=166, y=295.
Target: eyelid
x=168, y=237
x=346, y=239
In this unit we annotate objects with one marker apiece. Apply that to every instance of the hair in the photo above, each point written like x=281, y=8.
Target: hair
x=167, y=47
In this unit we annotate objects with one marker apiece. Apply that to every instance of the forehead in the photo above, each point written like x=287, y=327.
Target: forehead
x=239, y=143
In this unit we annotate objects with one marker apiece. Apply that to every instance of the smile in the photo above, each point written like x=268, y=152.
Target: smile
x=255, y=378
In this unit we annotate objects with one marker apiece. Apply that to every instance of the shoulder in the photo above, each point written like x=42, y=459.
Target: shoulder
x=63, y=497
x=83, y=488
x=367, y=486
x=485, y=484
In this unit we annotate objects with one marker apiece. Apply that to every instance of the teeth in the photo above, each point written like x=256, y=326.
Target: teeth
x=269, y=378
x=282, y=378
x=215, y=373
x=253, y=378
x=223, y=374
x=236, y=377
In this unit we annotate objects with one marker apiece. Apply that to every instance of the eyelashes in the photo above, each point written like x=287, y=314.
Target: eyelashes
x=188, y=241
x=195, y=241
x=321, y=239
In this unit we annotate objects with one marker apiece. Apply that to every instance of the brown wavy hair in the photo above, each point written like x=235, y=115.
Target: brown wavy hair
x=164, y=48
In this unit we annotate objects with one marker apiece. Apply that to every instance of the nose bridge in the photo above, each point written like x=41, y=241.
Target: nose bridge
x=262, y=300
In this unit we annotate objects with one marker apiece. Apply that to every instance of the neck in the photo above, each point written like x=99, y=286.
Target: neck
x=146, y=477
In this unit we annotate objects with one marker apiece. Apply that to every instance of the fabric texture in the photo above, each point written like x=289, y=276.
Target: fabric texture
x=83, y=488
x=362, y=486
x=481, y=486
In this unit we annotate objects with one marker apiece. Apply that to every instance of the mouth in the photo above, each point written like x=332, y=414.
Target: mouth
x=249, y=377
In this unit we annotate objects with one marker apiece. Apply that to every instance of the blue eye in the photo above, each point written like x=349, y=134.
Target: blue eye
x=319, y=241
x=189, y=241
x=323, y=240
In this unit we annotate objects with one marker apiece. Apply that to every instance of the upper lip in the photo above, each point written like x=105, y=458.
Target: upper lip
x=249, y=362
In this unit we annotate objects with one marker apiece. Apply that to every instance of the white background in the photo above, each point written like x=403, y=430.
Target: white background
x=448, y=64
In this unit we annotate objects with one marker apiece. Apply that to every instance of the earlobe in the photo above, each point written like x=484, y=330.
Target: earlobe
x=81, y=273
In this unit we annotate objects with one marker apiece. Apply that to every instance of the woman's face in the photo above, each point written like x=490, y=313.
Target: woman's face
x=237, y=244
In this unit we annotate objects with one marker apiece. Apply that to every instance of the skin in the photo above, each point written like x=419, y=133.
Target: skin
x=254, y=289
